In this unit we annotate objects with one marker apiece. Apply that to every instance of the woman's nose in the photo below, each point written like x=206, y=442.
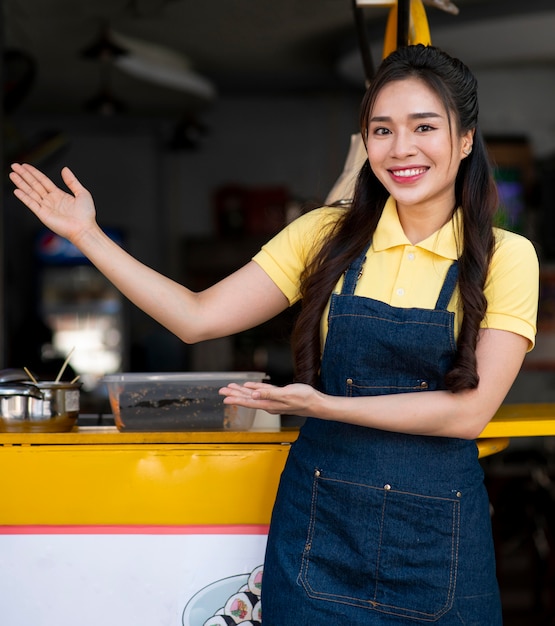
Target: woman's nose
x=403, y=144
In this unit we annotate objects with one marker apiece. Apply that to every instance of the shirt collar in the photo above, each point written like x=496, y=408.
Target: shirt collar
x=389, y=234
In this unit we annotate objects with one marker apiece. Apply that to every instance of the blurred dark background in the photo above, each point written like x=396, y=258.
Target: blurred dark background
x=201, y=129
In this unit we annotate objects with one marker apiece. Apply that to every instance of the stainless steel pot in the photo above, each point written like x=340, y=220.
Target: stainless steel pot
x=47, y=406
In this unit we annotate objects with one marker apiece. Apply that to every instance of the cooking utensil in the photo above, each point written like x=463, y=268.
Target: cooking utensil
x=47, y=406
x=30, y=375
x=64, y=365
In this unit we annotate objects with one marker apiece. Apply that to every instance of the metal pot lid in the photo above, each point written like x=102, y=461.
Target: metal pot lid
x=20, y=389
x=12, y=374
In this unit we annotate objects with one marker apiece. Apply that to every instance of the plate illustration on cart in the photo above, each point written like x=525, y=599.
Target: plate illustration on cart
x=206, y=602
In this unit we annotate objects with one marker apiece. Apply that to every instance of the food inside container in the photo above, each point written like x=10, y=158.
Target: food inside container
x=173, y=402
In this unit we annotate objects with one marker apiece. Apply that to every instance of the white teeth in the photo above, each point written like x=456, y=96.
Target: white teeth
x=408, y=173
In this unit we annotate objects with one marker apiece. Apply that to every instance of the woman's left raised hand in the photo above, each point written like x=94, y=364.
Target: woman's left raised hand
x=295, y=399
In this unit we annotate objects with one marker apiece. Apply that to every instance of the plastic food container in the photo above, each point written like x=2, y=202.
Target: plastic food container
x=173, y=402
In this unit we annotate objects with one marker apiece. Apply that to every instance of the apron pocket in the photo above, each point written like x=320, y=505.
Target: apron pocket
x=380, y=548
x=355, y=387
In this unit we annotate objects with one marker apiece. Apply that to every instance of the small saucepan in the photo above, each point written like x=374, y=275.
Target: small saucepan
x=41, y=407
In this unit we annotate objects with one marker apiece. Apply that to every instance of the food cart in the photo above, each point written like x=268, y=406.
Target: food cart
x=145, y=528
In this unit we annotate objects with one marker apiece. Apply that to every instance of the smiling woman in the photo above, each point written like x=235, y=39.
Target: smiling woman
x=416, y=316
x=430, y=316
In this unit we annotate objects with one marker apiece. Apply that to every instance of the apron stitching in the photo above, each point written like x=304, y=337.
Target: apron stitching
x=376, y=576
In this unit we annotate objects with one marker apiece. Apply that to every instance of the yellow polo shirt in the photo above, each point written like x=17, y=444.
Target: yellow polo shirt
x=405, y=275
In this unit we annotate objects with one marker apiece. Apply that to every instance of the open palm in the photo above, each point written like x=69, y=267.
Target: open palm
x=67, y=214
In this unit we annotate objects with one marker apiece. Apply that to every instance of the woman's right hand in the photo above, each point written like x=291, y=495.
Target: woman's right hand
x=245, y=299
x=67, y=214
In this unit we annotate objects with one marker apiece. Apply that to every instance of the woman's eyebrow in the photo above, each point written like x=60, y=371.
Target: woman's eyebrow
x=419, y=116
x=413, y=116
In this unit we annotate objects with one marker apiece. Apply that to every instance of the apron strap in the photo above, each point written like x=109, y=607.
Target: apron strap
x=448, y=287
x=353, y=273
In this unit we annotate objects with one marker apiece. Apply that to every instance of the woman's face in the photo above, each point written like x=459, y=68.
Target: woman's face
x=412, y=150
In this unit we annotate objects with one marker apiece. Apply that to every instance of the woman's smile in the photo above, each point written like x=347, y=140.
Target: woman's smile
x=409, y=174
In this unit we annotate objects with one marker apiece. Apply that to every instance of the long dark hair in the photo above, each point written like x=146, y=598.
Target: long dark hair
x=475, y=193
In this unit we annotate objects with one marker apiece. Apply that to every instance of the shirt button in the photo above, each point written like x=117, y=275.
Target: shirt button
x=400, y=291
x=410, y=256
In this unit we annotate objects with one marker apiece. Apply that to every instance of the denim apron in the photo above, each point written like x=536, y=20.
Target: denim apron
x=371, y=526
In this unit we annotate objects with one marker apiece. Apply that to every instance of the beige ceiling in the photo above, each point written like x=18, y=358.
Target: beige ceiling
x=242, y=46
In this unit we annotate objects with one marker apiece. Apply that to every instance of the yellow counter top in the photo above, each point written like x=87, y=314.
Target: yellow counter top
x=522, y=420
x=100, y=476
x=107, y=435
x=512, y=420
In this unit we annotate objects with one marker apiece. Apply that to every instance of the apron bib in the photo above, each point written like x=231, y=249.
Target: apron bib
x=372, y=526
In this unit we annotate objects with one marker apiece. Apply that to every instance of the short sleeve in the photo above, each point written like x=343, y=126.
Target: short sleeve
x=286, y=255
x=512, y=288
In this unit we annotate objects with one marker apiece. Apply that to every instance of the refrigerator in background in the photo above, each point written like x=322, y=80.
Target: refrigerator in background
x=82, y=312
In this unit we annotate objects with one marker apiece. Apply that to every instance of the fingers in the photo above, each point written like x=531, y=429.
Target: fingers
x=37, y=185
x=250, y=390
x=71, y=181
x=31, y=186
x=25, y=194
x=233, y=390
x=23, y=190
x=33, y=179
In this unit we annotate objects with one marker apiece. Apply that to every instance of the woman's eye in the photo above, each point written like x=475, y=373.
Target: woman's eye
x=423, y=128
x=381, y=131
